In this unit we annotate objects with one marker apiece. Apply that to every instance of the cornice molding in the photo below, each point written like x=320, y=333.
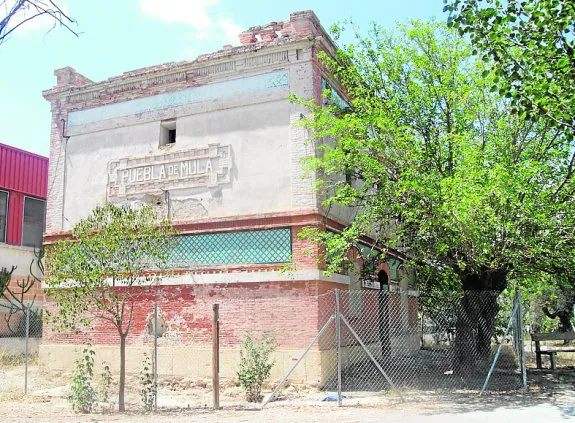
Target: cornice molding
x=178, y=75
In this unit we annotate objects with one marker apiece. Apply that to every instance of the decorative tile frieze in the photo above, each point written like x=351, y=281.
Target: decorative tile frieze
x=214, y=91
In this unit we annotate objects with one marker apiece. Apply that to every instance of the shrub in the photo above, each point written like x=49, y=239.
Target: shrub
x=255, y=364
x=83, y=395
x=105, y=382
x=148, y=389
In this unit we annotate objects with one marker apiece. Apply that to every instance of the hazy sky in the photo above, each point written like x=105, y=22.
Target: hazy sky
x=121, y=35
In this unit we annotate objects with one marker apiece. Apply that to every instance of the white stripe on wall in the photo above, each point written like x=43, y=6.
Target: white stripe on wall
x=250, y=277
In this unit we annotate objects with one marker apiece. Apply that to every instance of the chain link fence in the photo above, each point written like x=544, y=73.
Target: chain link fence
x=340, y=344
x=376, y=342
x=347, y=344
x=186, y=354
x=20, y=336
x=332, y=346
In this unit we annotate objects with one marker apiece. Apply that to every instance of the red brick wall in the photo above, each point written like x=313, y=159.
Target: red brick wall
x=292, y=311
x=287, y=309
x=305, y=253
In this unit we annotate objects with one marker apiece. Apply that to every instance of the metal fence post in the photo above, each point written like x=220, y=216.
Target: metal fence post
x=338, y=344
x=520, y=335
x=293, y=367
x=26, y=350
x=216, y=356
x=156, y=355
x=510, y=324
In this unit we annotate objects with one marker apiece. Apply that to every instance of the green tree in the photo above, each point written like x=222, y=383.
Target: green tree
x=530, y=44
x=437, y=169
x=550, y=298
x=559, y=304
x=109, y=263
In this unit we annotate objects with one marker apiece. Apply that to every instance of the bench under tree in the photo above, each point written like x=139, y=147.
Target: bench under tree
x=551, y=351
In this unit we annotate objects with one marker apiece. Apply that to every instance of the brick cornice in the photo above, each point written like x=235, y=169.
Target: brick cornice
x=232, y=223
x=172, y=76
x=302, y=31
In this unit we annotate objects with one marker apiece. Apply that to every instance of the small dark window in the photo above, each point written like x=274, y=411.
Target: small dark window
x=168, y=132
x=3, y=214
x=171, y=136
x=33, y=225
x=382, y=278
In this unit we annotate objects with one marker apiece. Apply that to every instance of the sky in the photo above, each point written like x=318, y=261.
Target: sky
x=117, y=36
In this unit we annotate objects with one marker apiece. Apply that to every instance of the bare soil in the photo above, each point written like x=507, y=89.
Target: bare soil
x=551, y=396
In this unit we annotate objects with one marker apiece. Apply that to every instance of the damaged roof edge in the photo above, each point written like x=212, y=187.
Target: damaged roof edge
x=302, y=26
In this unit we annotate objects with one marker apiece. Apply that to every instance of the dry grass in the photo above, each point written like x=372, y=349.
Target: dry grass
x=10, y=359
x=11, y=396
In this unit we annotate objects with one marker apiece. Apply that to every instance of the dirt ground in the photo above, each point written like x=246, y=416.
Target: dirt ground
x=551, y=397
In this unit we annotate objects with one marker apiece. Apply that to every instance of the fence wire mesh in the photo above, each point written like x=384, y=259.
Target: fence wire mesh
x=294, y=323
x=20, y=336
x=387, y=345
x=185, y=351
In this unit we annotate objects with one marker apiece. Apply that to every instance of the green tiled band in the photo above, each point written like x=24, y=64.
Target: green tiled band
x=241, y=247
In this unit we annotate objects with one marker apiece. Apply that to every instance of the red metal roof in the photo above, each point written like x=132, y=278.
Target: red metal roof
x=23, y=171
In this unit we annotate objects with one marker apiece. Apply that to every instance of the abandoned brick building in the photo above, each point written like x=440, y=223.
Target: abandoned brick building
x=212, y=144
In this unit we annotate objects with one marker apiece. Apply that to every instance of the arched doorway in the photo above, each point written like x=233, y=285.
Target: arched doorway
x=383, y=309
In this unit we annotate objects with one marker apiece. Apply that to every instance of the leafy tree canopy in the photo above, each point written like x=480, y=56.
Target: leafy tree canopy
x=115, y=247
x=437, y=167
x=530, y=44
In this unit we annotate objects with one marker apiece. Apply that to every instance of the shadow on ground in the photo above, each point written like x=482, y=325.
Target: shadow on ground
x=556, y=388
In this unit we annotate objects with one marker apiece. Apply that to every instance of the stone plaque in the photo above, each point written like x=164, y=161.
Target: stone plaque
x=199, y=167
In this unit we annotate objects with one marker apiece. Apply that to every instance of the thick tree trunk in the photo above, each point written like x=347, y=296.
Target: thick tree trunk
x=122, y=383
x=564, y=316
x=565, y=319
x=476, y=313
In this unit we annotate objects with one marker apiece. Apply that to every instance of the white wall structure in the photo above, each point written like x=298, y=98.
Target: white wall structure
x=113, y=152
x=214, y=145
x=21, y=257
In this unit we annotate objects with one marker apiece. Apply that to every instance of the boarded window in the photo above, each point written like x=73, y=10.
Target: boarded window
x=33, y=226
x=3, y=214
